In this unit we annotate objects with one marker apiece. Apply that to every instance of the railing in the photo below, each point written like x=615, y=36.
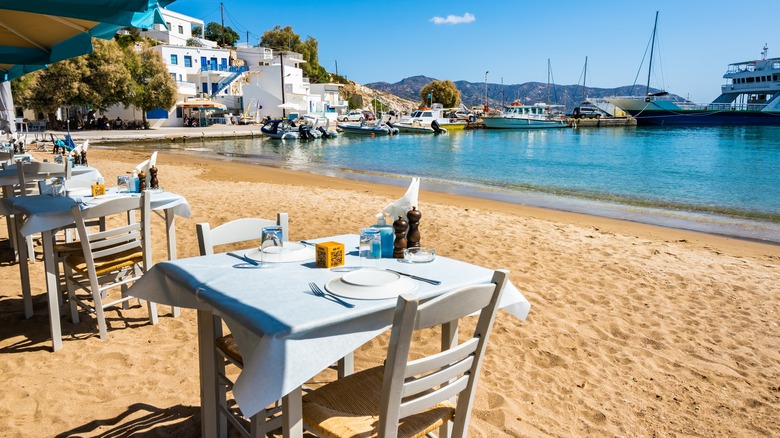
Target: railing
x=225, y=68
x=229, y=80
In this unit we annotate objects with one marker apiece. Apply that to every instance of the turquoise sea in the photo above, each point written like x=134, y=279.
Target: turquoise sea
x=723, y=180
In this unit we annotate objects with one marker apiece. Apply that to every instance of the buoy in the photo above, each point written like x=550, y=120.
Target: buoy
x=372, y=134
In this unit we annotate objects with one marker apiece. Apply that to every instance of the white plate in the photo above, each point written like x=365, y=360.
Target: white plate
x=346, y=290
x=79, y=192
x=370, y=277
x=289, y=252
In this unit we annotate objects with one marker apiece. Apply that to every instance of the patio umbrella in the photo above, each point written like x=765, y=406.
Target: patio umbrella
x=36, y=33
x=7, y=119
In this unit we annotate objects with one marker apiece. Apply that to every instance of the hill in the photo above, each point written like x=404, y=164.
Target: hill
x=473, y=94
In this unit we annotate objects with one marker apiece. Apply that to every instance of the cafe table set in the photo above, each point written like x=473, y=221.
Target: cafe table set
x=46, y=214
x=286, y=330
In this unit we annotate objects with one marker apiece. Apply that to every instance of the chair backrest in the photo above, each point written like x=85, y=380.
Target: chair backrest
x=30, y=173
x=123, y=233
x=410, y=387
x=239, y=230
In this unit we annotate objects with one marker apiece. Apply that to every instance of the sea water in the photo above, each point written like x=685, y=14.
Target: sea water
x=715, y=179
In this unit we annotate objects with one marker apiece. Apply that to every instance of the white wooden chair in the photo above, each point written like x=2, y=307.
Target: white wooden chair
x=412, y=398
x=109, y=259
x=28, y=175
x=237, y=231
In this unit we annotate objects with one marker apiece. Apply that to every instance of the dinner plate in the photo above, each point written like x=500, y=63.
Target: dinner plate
x=370, y=277
x=346, y=290
x=289, y=252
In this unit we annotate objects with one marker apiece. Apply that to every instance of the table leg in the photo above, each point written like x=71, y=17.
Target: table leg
x=208, y=377
x=170, y=228
x=52, y=289
x=346, y=366
x=292, y=414
x=24, y=270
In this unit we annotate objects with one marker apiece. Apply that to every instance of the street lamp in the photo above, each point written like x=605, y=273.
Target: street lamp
x=486, y=94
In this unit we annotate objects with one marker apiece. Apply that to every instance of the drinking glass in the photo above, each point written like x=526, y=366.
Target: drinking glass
x=271, y=238
x=370, y=248
x=58, y=187
x=121, y=184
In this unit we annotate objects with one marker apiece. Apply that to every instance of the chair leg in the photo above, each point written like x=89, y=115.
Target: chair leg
x=99, y=311
x=152, y=312
x=30, y=248
x=74, y=308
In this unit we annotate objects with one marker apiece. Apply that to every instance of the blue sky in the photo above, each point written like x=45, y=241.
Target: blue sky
x=389, y=41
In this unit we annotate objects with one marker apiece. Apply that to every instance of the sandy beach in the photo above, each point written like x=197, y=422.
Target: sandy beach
x=634, y=330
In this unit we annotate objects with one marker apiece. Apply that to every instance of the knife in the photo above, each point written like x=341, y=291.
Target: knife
x=244, y=258
x=414, y=277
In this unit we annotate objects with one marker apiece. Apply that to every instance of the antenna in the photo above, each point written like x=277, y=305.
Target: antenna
x=222, y=12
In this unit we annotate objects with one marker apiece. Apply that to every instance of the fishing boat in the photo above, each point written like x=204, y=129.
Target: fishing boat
x=751, y=96
x=418, y=128
x=519, y=116
x=365, y=129
x=425, y=116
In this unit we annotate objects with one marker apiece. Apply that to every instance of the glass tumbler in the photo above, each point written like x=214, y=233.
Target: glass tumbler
x=370, y=248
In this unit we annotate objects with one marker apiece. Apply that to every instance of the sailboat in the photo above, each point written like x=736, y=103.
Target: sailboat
x=751, y=96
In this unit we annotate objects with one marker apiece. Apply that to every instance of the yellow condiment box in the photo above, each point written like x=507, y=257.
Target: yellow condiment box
x=330, y=254
x=98, y=189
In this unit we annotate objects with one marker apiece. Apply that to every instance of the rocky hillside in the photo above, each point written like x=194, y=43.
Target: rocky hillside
x=473, y=93
x=362, y=97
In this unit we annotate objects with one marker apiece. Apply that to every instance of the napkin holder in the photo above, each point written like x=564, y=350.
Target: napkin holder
x=329, y=254
x=98, y=189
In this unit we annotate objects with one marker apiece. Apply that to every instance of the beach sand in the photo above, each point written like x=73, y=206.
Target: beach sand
x=634, y=330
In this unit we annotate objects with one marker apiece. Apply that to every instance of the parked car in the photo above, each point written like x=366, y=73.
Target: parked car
x=353, y=116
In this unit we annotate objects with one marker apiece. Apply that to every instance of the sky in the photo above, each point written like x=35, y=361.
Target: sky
x=510, y=42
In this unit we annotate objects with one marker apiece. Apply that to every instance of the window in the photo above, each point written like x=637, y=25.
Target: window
x=187, y=61
x=174, y=59
x=173, y=75
x=181, y=29
x=168, y=25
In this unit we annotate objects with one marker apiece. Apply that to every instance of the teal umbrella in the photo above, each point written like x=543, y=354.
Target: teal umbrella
x=34, y=33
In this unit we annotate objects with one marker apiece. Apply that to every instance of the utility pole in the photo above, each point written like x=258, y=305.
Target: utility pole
x=247, y=38
x=337, y=67
x=222, y=13
x=281, y=65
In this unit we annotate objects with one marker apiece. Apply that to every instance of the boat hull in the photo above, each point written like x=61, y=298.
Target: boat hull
x=366, y=130
x=518, y=123
x=705, y=118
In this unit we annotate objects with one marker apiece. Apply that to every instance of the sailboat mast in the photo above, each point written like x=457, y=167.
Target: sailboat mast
x=548, y=81
x=652, y=49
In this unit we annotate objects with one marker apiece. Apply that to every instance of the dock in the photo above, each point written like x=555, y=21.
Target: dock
x=600, y=122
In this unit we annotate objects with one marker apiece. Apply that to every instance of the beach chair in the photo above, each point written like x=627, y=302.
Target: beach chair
x=109, y=259
x=413, y=398
x=237, y=231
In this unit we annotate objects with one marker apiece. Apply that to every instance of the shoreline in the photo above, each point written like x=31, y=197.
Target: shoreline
x=747, y=229
x=225, y=169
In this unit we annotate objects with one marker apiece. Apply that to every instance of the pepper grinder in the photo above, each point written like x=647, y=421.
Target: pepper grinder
x=399, y=244
x=141, y=181
x=413, y=237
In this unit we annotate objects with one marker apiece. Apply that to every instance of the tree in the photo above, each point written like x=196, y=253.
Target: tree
x=197, y=31
x=285, y=39
x=56, y=86
x=214, y=33
x=107, y=80
x=153, y=87
x=443, y=92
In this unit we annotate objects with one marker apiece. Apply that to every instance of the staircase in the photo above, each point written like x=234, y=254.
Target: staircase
x=221, y=85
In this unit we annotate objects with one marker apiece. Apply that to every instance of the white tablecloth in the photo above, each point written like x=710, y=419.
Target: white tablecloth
x=9, y=177
x=286, y=334
x=44, y=212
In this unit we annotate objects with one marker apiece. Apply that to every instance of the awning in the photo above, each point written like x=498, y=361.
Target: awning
x=204, y=104
x=36, y=33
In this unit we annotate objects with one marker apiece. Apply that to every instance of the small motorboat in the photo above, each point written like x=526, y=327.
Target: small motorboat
x=373, y=130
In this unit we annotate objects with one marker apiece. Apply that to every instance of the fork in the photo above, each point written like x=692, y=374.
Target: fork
x=320, y=293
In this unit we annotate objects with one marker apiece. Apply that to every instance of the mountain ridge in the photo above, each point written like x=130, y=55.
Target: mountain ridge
x=473, y=93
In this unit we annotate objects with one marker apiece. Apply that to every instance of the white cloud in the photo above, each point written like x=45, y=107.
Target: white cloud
x=454, y=19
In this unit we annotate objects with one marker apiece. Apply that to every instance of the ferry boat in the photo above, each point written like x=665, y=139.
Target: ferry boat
x=750, y=96
x=519, y=116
